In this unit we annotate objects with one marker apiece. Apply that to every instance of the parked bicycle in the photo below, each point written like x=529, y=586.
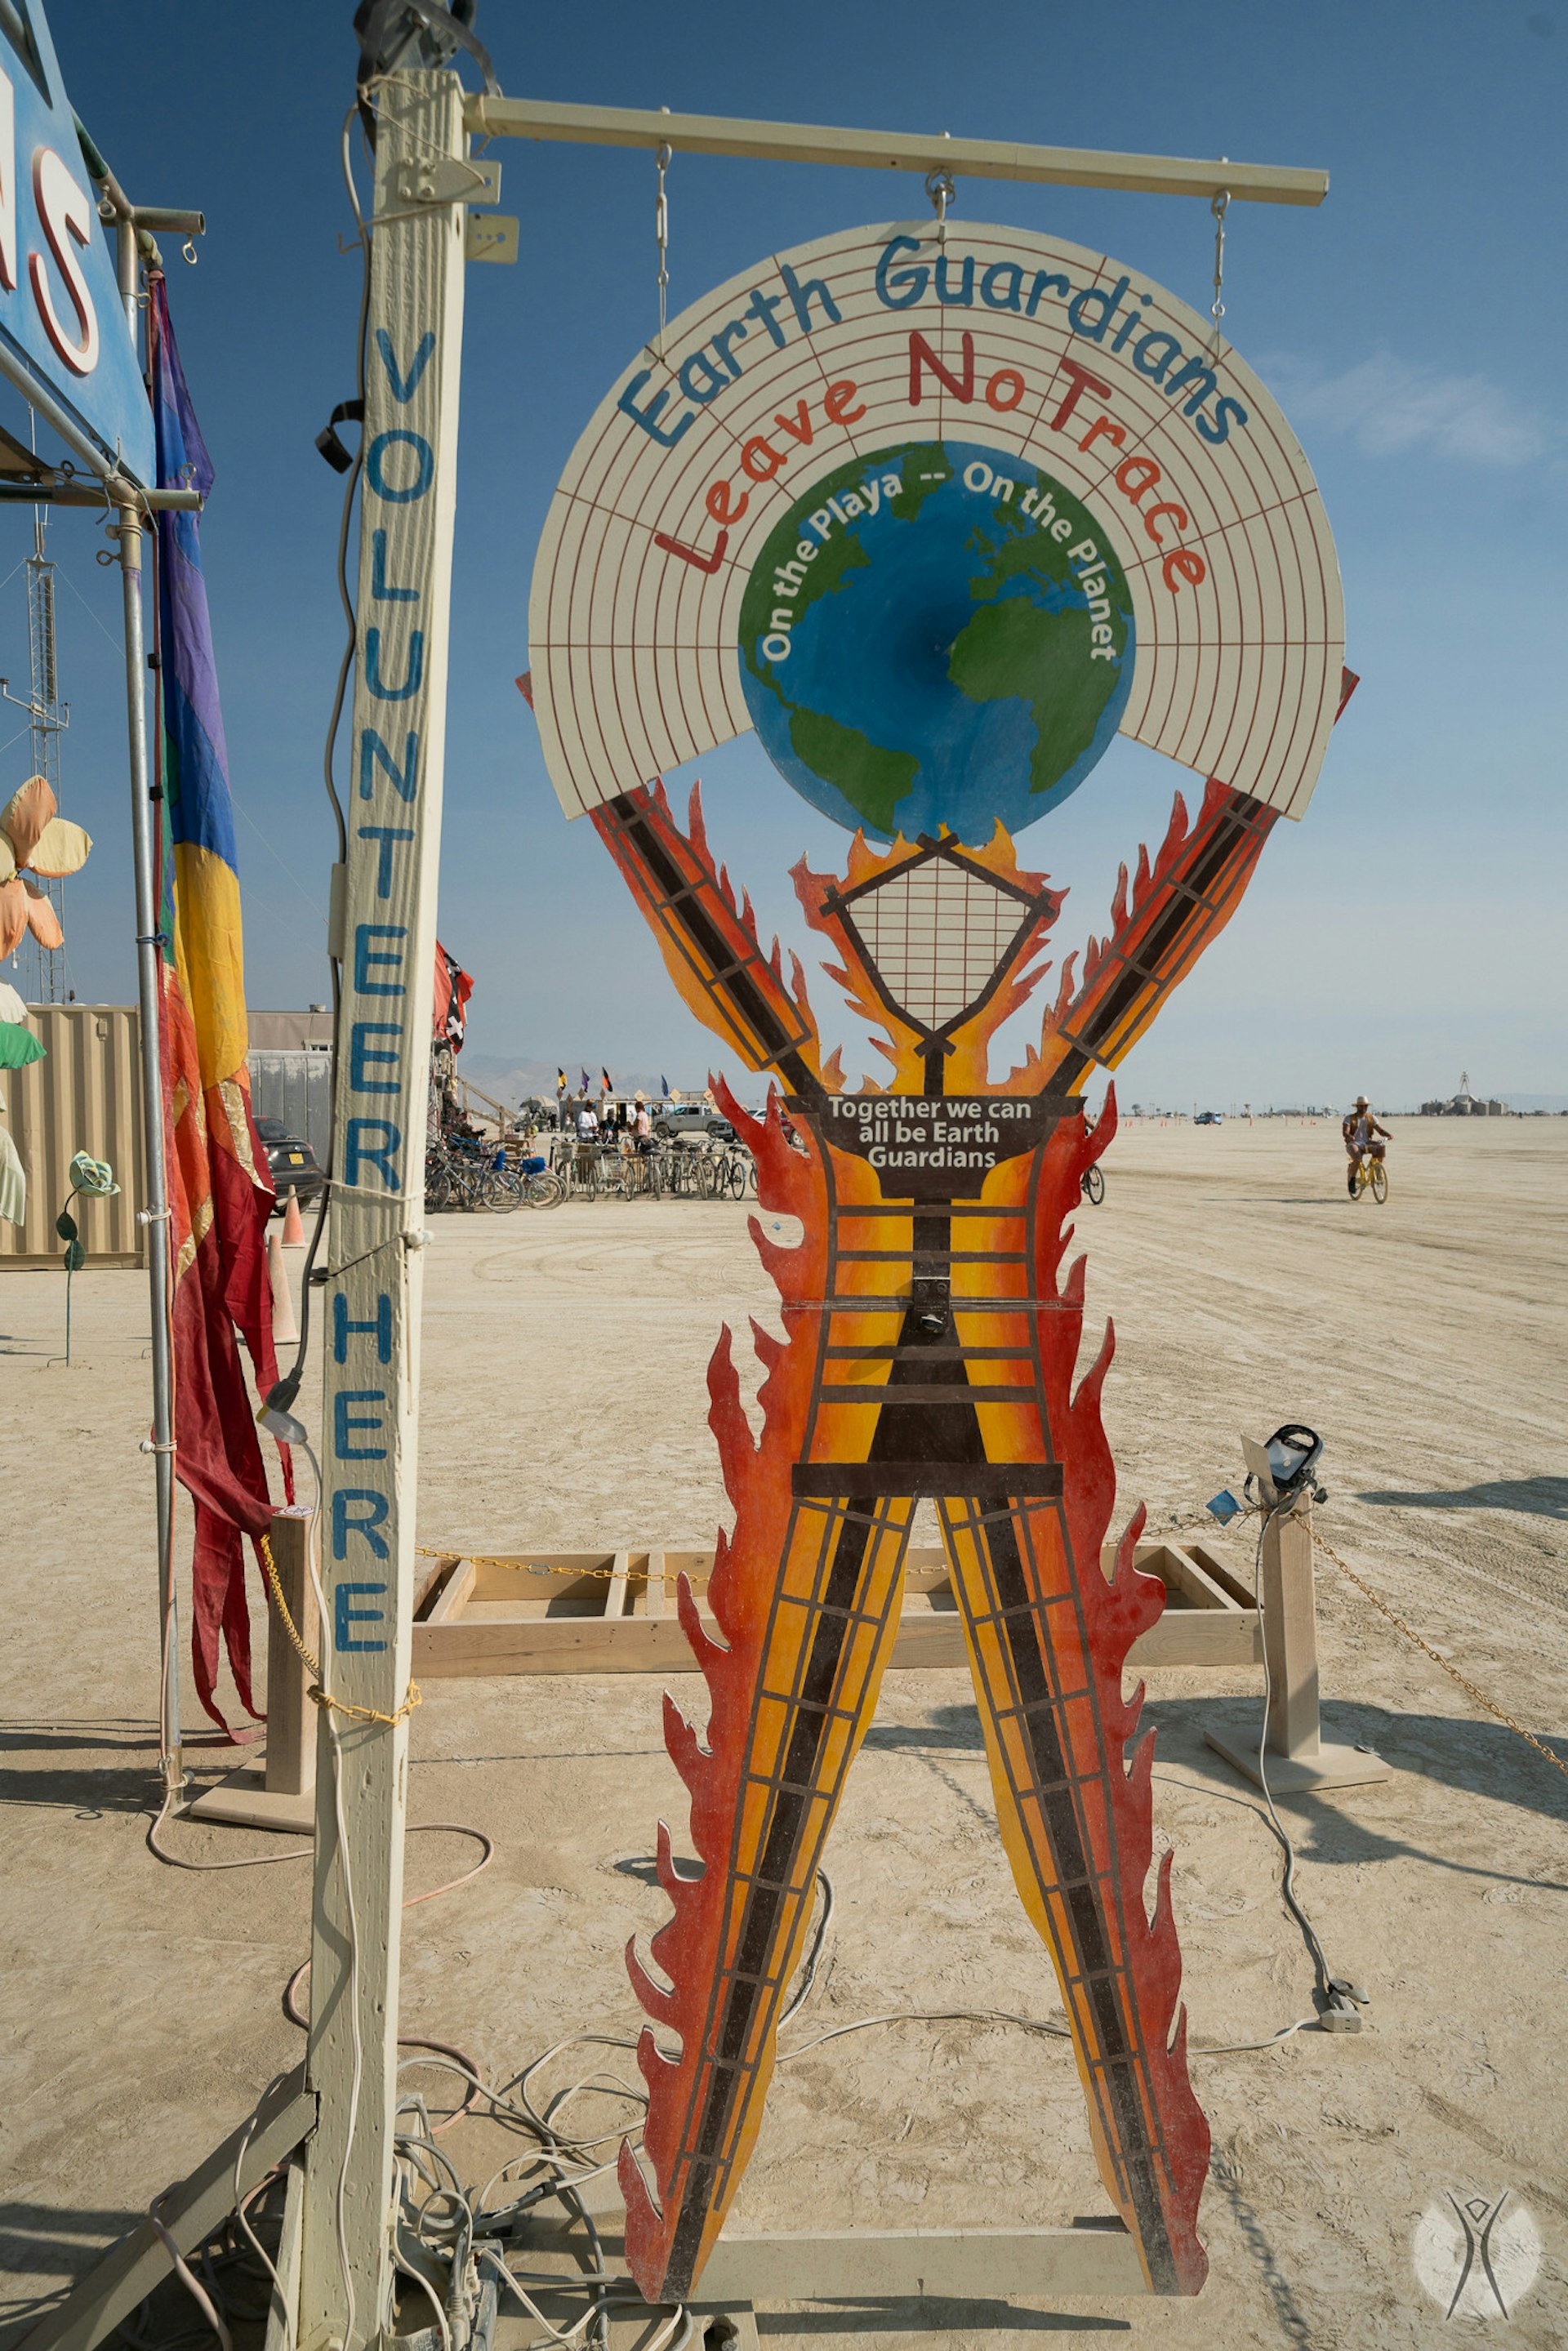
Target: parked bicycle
x=732, y=1170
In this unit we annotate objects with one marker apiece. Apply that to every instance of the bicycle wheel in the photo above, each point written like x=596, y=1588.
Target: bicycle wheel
x=543, y=1191
x=1094, y=1186
x=736, y=1173
x=1378, y=1180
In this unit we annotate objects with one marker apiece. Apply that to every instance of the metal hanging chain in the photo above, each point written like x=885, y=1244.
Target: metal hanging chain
x=940, y=188
x=1219, y=207
x=661, y=237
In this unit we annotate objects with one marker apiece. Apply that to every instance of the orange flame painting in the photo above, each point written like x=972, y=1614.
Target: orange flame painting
x=932, y=1321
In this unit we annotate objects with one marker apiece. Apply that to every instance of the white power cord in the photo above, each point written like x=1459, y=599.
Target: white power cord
x=1342, y=2000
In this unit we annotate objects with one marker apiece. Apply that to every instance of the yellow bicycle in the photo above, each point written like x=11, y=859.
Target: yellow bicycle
x=1371, y=1175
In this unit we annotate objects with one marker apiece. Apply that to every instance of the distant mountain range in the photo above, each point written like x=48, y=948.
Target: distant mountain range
x=512, y=1082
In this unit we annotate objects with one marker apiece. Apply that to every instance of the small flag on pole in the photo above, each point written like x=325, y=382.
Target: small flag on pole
x=561, y=1082
x=665, y=1088
x=587, y=1082
x=604, y=1082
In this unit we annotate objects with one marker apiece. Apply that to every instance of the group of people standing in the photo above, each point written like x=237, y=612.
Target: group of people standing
x=620, y=1122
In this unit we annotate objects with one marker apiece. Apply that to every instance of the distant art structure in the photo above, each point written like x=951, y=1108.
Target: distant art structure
x=939, y=513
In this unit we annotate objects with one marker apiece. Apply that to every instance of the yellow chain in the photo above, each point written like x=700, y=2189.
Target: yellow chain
x=517, y=1567
x=318, y=1696
x=1453, y=1672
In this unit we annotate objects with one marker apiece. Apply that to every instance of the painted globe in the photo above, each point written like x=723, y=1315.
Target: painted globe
x=937, y=635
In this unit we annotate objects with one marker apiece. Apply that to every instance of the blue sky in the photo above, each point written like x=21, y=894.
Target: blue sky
x=1414, y=328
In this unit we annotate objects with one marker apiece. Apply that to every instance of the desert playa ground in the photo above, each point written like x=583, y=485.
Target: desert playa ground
x=563, y=1406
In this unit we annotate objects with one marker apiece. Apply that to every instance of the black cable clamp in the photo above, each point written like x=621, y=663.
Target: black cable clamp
x=348, y=412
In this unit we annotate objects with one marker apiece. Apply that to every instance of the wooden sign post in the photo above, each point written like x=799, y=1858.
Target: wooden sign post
x=1298, y=1759
x=384, y=919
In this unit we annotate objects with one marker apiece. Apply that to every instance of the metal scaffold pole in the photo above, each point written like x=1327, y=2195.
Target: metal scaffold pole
x=127, y=534
x=149, y=949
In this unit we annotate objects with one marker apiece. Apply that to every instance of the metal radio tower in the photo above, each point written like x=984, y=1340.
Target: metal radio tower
x=42, y=969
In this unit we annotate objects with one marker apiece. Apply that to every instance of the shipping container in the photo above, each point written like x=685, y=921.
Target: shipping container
x=296, y=1087
x=84, y=1095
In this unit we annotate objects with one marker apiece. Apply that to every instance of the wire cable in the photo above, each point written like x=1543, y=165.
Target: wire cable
x=281, y=1397
x=1325, y=1980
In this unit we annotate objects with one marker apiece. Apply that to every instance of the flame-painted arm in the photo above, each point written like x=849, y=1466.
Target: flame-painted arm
x=1178, y=908
x=710, y=946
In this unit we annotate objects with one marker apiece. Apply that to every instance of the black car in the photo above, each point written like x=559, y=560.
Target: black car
x=295, y=1167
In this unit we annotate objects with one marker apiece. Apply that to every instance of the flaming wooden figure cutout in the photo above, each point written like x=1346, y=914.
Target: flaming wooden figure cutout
x=931, y=1340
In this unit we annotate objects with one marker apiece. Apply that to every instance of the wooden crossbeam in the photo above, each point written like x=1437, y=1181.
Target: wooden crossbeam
x=892, y=151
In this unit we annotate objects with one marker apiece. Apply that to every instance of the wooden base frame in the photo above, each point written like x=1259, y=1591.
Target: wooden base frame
x=281, y=1794
x=1089, y=2258
x=614, y=1613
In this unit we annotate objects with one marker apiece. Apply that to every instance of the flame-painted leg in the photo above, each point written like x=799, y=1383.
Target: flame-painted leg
x=1076, y=1821
x=785, y=1728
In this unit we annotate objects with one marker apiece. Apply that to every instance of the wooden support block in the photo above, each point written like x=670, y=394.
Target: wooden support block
x=190, y=2210
x=282, y=1794
x=1092, y=2257
x=244, y=1801
x=290, y=1716
x=455, y=1595
x=280, y=2331
x=1191, y=1577
x=618, y=1593
x=657, y=1598
x=430, y=1581
x=1220, y=1570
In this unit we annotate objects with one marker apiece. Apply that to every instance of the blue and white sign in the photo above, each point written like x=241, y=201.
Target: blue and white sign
x=60, y=312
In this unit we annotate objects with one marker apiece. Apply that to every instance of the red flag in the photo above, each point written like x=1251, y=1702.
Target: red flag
x=452, y=989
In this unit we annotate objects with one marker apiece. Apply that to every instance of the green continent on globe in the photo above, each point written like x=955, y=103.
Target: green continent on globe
x=873, y=781
x=936, y=635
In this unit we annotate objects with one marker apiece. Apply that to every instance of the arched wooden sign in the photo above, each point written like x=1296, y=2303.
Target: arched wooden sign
x=855, y=418
x=937, y=519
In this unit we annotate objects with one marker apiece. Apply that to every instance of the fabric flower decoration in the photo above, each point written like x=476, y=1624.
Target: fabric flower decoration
x=88, y=1175
x=32, y=835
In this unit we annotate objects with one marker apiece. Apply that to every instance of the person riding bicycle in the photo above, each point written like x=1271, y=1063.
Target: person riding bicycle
x=1362, y=1131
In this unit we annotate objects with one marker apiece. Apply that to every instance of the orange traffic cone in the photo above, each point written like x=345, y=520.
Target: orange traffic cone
x=284, y=1329
x=293, y=1222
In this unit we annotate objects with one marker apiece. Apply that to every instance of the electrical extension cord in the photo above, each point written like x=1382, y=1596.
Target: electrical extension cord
x=1341, y=1999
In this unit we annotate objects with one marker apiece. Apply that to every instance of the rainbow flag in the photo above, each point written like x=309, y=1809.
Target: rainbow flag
x=220, y=1186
